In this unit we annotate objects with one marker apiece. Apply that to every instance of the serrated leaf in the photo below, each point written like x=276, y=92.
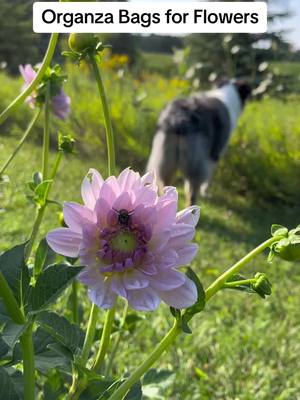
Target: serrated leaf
x=8, y=390
x=12, y=331
x=15, y=271
x=50, y=284
x=62, y=331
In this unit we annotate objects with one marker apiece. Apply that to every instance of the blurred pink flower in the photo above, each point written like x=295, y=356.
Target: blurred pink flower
x=131, y=241
x=60, y=103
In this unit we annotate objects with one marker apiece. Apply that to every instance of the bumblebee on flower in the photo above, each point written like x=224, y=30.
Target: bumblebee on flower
x=130, y=240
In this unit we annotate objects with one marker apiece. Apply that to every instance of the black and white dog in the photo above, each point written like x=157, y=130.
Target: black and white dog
x=192, y=134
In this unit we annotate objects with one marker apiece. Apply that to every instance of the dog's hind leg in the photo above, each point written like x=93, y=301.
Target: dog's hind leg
x=163, y=158
x=195, y=164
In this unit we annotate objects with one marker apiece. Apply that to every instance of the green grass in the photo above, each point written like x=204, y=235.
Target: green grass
x=242, y=347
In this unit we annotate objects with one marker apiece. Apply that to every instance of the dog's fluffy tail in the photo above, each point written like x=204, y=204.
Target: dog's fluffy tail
x=189, y=153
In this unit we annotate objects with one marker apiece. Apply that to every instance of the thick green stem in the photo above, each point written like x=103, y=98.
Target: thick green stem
x=10, y=301
x=108, y=123
x=219, y=283
x=46, y=134
x=146, y=365
x=90, y=335
x=21, y=98
x=28, y=364
x=105, y=338
x=21, y=142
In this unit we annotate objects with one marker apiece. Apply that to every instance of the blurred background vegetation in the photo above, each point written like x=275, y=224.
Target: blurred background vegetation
x=242, y=347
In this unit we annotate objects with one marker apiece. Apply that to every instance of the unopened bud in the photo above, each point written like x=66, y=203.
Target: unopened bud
x=79, y=42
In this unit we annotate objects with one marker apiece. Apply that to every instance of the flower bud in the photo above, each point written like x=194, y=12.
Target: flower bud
x=66, y=143
x=262, y=286
x=79, y=42
x=289, y=250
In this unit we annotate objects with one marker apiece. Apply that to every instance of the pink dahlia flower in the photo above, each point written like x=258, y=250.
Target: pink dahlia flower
x=60, y=103
x=131, y=241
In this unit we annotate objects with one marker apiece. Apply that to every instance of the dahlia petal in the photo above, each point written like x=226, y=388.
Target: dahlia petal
x=167, y=259
x=149, y=180
x=181, y=297
x=167, y=280
x=181, y=234
x=102, y=208
x=28, y=73
x=117, y=285
x=61, y=105
x=123, y=202
x=128, y=178
x=187, y=253
x=145, y=214
x=143, y=300
x=89, y=276
x=76, y=215
x=64, y=241
x=189, y=215
x=134, y=279
x=148, y=269
x=90, y=188
x=166, y=215
x=159, y=240
x=145, y=195
x=110, y=190
x=101, y=294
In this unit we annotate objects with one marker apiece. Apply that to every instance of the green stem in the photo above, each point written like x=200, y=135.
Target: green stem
x=108, y=123
x=239, y=283
x=74, y=300
x=90, y=335
x=219, y=282
x=46, y=134
x=146, y=365
x=28, y=364
x=105, y=338
x=118, y=340
x=21, y=98
x=10, y=301
x=21, y=142
x=41, y=209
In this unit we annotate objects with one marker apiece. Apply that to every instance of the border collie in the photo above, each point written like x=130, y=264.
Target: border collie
x=192, y=134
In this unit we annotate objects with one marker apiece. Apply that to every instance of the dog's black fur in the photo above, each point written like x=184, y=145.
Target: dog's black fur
x=192, y=134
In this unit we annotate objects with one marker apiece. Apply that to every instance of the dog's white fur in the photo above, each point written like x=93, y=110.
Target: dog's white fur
x=229, y=96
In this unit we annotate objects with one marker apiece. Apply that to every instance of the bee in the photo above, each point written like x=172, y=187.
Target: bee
x=123, y=216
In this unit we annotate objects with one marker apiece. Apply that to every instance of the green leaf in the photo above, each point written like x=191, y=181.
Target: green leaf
x=135, y=393
x=62, y=331
x=279, y=230
x=40, y=192
x=3, y=348
x=50, y=284
x=44, y=256
x=15, y=271
x=8, y=390
x=131, y=320
x=156, y=377
x=12, y=331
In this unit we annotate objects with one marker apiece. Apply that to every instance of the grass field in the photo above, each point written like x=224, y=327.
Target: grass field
x=242, y=347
